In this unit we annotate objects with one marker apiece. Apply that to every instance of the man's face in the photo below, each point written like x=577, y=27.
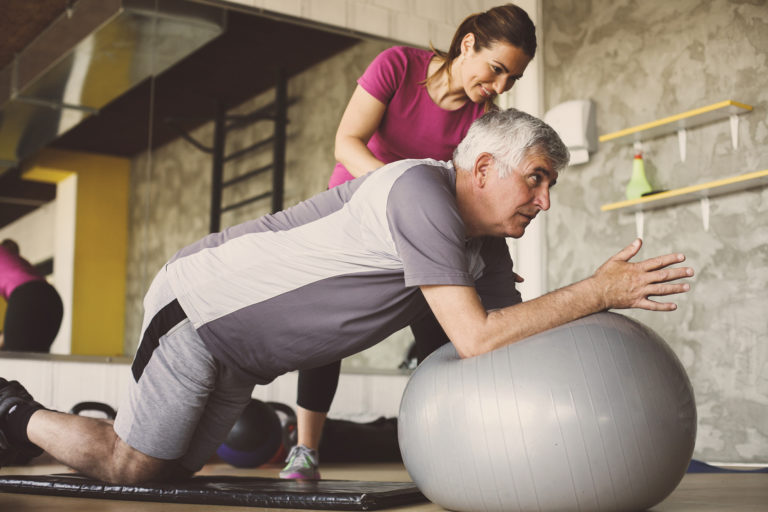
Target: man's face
x=512, y=202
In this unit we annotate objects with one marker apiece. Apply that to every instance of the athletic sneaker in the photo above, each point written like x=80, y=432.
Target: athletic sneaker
x=302, y=464
x=13, y=394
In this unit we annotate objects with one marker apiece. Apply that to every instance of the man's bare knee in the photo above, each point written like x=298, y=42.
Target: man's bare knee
x=130, y=466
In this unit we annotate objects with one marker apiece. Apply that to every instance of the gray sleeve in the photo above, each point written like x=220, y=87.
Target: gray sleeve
x=427, y=230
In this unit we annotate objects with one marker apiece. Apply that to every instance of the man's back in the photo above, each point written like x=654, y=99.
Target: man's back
x=329, y=277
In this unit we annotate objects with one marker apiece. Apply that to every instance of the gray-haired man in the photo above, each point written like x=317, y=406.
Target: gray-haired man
x=328, y=278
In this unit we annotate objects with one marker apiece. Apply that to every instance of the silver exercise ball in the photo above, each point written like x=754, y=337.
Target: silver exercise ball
x=595, y=415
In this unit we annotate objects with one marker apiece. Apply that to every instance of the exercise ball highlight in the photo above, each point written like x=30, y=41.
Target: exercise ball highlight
x=255, y=437
x=596, y=415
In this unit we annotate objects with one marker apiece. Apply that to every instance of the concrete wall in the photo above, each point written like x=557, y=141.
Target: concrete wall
x=642, y=61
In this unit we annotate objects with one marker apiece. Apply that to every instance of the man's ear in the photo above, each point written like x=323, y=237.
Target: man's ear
x=483, y=165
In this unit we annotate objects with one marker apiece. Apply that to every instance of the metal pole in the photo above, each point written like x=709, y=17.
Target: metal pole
x=278, y=158
x=217, y=174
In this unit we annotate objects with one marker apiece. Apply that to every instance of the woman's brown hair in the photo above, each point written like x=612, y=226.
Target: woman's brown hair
x=504, y=23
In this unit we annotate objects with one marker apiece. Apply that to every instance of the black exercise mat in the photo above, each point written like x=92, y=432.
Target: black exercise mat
x=228, y=490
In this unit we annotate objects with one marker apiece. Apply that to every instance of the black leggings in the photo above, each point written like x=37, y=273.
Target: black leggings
x=318, y=385
x=32, y=318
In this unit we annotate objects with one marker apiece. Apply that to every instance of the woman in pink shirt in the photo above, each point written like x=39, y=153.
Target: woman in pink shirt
x=34, y=310
x=413, y=103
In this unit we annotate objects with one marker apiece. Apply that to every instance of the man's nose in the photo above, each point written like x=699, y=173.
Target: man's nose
x=542, y=199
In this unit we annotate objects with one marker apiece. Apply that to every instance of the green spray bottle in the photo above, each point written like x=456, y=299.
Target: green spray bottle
x=638, y=183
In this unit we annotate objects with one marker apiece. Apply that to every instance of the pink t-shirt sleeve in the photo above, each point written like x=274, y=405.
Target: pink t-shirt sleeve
x=384, y=74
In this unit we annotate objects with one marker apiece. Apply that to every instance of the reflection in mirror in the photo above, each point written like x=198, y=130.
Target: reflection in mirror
x=160, y=137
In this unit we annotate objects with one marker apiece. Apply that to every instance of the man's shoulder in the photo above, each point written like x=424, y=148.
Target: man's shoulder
x=421, y=172
x=419, y=184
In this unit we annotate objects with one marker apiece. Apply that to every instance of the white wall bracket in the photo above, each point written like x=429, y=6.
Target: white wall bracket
x=705, y=212
x=734, y=131
x=682, y=141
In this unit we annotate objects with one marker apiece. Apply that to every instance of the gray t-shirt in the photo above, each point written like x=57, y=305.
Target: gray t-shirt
x=337, y=273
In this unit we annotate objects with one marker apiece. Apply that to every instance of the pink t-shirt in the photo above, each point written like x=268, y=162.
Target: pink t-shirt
x=413, y=126
x=14, y=271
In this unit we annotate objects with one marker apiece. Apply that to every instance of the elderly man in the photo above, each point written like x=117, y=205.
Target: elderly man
x=328, y=278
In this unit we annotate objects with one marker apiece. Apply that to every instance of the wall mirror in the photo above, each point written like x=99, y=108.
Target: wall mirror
x=124, y=121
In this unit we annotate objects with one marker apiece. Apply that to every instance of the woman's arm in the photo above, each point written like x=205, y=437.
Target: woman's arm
x=360, y=120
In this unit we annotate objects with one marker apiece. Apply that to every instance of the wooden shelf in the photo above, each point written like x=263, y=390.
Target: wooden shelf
x=683, y=121
x=692, y=193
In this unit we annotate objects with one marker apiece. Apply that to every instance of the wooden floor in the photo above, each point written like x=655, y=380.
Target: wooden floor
x=696, y=493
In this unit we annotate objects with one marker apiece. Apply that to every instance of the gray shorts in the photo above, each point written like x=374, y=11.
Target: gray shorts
x=184, y=402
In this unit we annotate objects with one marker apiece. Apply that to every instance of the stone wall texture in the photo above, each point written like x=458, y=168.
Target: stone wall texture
x=642, y=61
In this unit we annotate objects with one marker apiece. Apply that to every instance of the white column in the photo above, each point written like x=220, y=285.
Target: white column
x=64, y=258
x=530, y=252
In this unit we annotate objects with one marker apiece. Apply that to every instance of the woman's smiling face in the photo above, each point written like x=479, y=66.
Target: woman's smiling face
x=490, y=71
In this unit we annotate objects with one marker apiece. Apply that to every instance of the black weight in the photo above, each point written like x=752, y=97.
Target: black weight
x=94, y=406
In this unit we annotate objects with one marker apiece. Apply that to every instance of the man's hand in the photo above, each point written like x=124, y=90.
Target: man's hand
x=622, y=284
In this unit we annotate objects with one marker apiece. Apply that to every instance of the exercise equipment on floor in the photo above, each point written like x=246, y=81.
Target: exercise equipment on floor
x=351, y=441
x=102, y=410
x=266, y=432
x=255, y=438
x=228, y=490
x=597, y=414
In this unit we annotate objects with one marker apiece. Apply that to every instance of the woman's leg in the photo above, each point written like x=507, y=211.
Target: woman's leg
x=317, y=388
x=33, y=317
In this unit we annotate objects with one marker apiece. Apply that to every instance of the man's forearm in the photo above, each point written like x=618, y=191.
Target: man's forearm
x=618, y=283
x=511, y=324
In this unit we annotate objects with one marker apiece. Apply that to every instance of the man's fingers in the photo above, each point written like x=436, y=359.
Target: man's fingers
x=661, y=261
x=652, y=305
x=659, y=290
x=629, y=251
x=670, y=274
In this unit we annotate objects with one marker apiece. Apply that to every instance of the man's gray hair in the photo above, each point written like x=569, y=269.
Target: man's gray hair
x=510, y=135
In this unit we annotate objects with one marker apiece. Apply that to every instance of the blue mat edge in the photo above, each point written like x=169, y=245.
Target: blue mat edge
x=697, y=466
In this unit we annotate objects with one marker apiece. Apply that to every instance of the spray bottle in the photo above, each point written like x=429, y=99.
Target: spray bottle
x=638, y=184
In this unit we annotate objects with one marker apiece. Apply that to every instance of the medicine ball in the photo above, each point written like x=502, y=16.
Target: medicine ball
x=254, y=438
